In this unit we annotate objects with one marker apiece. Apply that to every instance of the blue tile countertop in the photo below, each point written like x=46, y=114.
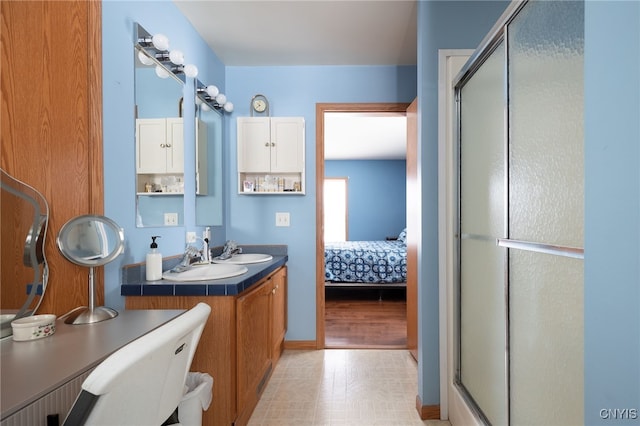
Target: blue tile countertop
x=135, y=284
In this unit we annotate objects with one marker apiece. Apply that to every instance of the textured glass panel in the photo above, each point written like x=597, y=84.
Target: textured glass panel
x=546, y=339
x=546, y=205
x=546, y=122
x=482, y=149
x=482, y=287
x=483, y=327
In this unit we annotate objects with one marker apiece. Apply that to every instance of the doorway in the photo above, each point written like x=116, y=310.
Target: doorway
x=321, y=290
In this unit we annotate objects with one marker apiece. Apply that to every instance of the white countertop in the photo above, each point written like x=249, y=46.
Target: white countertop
x=31, y=369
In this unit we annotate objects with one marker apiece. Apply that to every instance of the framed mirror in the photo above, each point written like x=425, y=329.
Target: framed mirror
x=90, y=241
x=159, y=135
x=24, y=220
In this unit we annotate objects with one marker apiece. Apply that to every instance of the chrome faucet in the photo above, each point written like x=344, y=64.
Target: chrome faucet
x=230, y=248
x=191, y=254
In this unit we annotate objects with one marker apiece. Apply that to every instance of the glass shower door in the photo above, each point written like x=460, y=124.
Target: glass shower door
x=482, y=369
x=520, y=257
x=546, y=211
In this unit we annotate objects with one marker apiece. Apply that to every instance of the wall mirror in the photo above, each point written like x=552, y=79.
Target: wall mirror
x=159, y=146
x=90, y=241
x=209, y=203
x=24, y=218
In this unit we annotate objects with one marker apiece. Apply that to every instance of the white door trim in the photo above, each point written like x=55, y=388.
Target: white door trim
x=452, y=406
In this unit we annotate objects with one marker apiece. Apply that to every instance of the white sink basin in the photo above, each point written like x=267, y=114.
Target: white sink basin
x=206, y=272
x=244, y=258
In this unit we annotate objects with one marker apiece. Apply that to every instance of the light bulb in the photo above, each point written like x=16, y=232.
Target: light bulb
x=160, y=42
x=191, y=70
x=221, y=99
x=177, y=57
x=212, y=91
x=144, y=59
x=161, y=72
x=205, y=107
x=228, y=107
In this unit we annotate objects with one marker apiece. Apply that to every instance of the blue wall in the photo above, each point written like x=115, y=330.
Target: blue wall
x=377, y=198
x=294, y=91
x=612, y=212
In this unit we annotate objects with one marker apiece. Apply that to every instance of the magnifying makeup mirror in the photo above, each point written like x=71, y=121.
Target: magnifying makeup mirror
x=90, y=241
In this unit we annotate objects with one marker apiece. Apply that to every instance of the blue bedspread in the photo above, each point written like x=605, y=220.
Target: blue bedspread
x=366, y=262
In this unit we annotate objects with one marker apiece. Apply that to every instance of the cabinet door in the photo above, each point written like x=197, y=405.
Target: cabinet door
x=151, y=141
x=253, y=328
x=175, y=145
x=279, y=307
x=254, y=145
x=287, y=144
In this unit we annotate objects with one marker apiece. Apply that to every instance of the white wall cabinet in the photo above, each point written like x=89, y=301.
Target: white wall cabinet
x=271, y=155
x=160, y=156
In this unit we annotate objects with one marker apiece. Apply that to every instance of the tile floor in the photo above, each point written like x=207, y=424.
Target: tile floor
x=341, y=387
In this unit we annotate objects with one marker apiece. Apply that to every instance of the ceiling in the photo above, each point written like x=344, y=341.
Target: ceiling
x=365, y=136
x=306, y=32
x=317, y=32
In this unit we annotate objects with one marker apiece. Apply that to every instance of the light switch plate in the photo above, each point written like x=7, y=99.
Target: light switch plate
x=283, y=219
x=171, y=219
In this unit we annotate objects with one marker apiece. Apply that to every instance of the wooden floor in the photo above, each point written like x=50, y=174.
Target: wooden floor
x=363, y=318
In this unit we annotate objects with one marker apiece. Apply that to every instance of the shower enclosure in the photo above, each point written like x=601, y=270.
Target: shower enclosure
x=520, y=236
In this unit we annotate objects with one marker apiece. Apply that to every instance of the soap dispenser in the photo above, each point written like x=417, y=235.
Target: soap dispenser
x=154, y=261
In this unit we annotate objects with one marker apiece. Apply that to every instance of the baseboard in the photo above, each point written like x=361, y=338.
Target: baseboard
x=427, y=412
x=300, y=344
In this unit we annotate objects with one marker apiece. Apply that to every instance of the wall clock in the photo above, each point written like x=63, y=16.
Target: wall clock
x=259, y=104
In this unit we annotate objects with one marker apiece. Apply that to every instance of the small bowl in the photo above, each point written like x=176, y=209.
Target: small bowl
x=33, y=327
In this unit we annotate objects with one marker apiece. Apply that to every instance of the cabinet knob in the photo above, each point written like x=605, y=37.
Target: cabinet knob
x=162, y=145
x=266, y=144
x=273, y=144
x=168, y=145
x=273, y=291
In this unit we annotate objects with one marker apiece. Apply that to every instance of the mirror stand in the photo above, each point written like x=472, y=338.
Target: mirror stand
x=91, y=314
x=90, y=241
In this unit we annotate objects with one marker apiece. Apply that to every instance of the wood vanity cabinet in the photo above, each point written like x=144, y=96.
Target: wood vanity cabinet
x=261, y=326
x=240, y=345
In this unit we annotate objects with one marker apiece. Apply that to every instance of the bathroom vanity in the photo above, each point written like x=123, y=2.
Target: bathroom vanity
x=244, y=335
x=42, y=377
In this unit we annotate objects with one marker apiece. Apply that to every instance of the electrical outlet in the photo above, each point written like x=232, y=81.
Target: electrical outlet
x=283, y=219
x=191, y=237
x=171, y=219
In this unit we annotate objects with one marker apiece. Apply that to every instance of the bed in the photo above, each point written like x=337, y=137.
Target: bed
x=366, y=263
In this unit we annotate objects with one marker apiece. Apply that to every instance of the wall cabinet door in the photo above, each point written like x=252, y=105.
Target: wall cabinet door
x=254, y=144
x=287, y=144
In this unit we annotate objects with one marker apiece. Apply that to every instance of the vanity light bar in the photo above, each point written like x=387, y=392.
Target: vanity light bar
x=156, y=49
x=212, y=98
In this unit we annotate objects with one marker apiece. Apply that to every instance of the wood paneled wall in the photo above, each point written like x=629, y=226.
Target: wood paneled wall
x=51, y=125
